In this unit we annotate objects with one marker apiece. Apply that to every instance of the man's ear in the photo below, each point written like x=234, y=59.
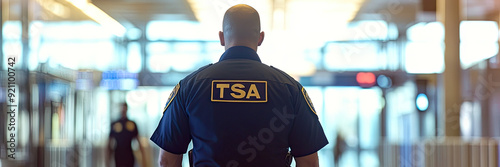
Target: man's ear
x=261, y=38
x=221, y=38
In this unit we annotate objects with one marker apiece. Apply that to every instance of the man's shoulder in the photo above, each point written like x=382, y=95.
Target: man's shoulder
x=283, y=76
x=194, y=74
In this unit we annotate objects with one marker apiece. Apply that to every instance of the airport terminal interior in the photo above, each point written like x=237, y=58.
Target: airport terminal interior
x=395, y=83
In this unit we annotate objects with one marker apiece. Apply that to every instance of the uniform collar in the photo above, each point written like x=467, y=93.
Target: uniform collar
x=240, y=52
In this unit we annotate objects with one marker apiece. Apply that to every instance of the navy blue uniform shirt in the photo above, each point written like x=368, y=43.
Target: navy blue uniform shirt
x=239, y=112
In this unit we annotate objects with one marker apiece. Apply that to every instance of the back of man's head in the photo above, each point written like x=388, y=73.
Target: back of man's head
x=241, y=25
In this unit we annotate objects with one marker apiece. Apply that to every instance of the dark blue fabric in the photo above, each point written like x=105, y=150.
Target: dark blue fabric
x=240, y=133
x=240, y=52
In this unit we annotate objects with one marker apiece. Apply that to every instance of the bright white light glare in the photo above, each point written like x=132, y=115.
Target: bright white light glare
x=352, y=56
x=424, y=57
x=82, y=55
x=368, y=30
x=279, y=19
x=73, y=30
x=159, y=63
x=466, y=116
x=297, y=68
x=134, y=61
x=129, y=84
x=432, y=31
x=185, y=30
x=473, y=52
x=484, y=31
x=100, y=17
x=184, y=62
x=12, y=30
x=422, y=102
x=134, y=34
x=56, y=8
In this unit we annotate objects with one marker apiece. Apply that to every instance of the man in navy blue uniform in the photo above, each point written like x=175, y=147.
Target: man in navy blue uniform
x=238, y=111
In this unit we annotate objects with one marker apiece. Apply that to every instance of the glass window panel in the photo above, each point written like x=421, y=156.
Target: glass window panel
x=367, y=30
x=158, y=47
x=369, y=159
x=134, y=58
x=472, y=52
x=402, y=102
x=147, y=106
x=325, y=157
x=432, y=31
x=100, y=117
x=370, y=105
x=158, y=53
x=12, y=49
x=349, y=158
x=91, y=55
x=168, y=30
x=341, y=108
x=424, y=57
x=74, y=30
x=12, y=30
x=186, y=56
x=353, y=56
x=485, y=31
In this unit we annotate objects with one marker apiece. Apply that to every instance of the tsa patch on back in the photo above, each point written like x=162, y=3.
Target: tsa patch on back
x=239, y=91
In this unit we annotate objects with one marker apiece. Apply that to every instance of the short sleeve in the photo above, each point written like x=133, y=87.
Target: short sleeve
x=307, y=135
x=172, y=133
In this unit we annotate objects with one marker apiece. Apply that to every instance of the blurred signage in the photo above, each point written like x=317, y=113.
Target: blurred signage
x=119, y=80
x=84, y=80
x=365, y=79
x=161, y=79
x=381, y=79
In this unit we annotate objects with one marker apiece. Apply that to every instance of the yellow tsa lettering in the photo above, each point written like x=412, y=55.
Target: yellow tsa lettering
x=239, y=91
x=222, y=87
x=253, y=92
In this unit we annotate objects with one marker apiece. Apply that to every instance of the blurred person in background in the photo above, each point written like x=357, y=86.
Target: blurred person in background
x=339, y=148
x=121, y=135
x=239, y=111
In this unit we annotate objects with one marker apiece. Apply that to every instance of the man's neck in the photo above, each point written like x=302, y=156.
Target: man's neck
x=227, y=46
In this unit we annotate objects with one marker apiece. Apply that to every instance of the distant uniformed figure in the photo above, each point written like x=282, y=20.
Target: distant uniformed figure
x=239, y=111
x=121, y=134
x=339, y=148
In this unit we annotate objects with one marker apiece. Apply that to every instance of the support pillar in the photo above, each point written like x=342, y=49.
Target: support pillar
x=448, y=12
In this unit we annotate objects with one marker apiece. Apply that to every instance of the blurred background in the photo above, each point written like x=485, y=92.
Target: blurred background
x=395, y=83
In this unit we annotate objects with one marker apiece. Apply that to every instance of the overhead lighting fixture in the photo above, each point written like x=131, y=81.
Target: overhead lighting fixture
x=205, y=12
x=54, y=7
x=99, y=16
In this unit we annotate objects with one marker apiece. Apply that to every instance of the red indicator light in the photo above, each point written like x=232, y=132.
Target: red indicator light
x=366, y=79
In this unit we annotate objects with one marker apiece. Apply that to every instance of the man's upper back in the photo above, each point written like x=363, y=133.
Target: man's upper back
x=240, y=111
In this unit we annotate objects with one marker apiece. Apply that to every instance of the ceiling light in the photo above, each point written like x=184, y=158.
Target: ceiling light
x=99, y=16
